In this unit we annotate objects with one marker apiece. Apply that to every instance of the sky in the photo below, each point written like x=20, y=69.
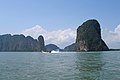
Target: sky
x=57, y=20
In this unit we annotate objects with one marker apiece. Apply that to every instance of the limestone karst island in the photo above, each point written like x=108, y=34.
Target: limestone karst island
x=88, y=39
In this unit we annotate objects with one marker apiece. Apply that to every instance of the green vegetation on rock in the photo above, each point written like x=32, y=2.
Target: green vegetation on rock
x=89, y=37
x=21, y=43
x=51, y=47
x=70, y=47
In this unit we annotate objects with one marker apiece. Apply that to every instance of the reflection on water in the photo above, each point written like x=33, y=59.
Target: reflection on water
x=60, y=66
x=90, y=66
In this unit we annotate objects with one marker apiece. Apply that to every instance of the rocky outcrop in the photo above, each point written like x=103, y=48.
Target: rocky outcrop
x=21, y=43
x=89, y=37
x=51, y=47
x=41, y=43
x=70, y=47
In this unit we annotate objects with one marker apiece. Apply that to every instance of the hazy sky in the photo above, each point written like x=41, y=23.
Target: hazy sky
x=61, y=16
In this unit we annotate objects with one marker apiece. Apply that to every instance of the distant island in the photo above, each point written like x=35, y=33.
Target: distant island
x=21, y=43
x=88, y=39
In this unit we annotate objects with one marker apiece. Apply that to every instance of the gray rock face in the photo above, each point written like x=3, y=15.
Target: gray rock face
x=41, y=43
x=89, y=37
x=21, y=43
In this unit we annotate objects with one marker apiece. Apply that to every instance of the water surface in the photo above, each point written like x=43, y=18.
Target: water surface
x=60, y=66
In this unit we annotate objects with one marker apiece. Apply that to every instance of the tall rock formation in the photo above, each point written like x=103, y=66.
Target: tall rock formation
x=89, y=37
x=21, y=43
x=41, y=43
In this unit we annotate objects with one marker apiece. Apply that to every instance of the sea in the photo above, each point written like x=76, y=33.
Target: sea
x=104, y=65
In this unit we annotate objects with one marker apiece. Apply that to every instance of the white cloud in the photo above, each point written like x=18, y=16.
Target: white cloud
x=112, y=38
x=34, y=31
x=61, y=38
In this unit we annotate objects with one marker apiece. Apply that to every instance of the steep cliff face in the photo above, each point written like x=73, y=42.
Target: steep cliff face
x=20, y=43
x=89, y=37
x=41, y=43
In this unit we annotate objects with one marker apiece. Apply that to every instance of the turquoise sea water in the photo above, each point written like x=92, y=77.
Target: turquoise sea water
x=60, y=66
